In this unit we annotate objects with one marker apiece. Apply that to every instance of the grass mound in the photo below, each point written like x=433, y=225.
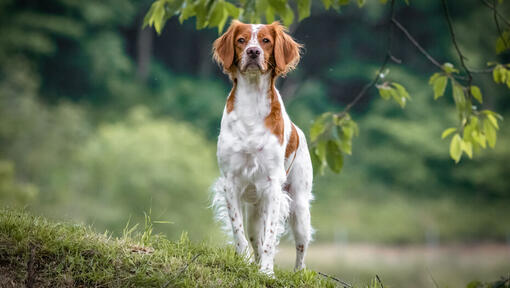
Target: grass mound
x=38, y=253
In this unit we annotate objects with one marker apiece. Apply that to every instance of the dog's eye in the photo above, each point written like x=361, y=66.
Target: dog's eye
x=241, y=40
x=265, y=40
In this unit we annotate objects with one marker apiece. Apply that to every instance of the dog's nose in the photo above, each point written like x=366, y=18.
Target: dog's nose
x=253, y=52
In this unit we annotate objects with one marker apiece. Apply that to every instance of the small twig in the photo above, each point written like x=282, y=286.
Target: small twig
x=416, y=44
x=345, y=284
x=387, y=57
x=495, y=14
x=182, y=270
x=486, y=3
x=454, y=41
x=379, y=280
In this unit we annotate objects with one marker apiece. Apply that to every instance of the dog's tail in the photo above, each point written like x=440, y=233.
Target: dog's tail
x=219, y=205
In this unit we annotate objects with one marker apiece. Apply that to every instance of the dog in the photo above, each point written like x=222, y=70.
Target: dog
x=266, y=171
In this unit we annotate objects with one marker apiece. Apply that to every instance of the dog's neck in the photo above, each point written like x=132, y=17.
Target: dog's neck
x=251, y=93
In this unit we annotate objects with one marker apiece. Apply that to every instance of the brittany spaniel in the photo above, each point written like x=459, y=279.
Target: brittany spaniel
x=266, y=171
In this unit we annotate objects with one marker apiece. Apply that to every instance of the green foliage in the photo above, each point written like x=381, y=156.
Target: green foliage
x=331, y=136
x=394, y=91
x=216, y=13
x=73, y=255
x=477, y=127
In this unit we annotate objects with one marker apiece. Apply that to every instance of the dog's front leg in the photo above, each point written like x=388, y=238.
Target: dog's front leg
x=271, y=221
x=233, y=199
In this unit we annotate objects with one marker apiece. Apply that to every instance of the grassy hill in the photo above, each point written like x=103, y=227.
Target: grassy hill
x=37, y=253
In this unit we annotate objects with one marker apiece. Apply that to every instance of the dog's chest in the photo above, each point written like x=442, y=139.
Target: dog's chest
x=245, y=145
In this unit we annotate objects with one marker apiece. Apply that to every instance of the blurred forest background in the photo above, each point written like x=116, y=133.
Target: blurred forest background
x=101, y=121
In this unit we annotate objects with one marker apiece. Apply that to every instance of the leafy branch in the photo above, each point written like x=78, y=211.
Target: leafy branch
x=331, y=134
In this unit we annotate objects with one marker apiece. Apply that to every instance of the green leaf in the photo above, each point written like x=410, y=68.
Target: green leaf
x=187, y=11
x=490, y=133
x=319, y=126
x=434, y=77
x=468, y=148
x=502, y=43
x=401, y=90
x=448, y=132
x=201, y=14
x=316, y=162
x=216, y=13
x=439, y=85
x=449, y=68
x=327, y=4
x=499, y=74
x=334, y=156
x=269, y=14
x=493, y=120
x=477, y=94
x=384, y=91
x=280, y=6
x=398, y=98
x=304, y=8
x=288, y=17
x=460, y=99
x=346, y=133
x=223, y=21
x=361, y=3
x=456, y=148
x=232, y=10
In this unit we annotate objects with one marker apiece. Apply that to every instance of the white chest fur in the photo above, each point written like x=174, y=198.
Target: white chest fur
x=246, y=147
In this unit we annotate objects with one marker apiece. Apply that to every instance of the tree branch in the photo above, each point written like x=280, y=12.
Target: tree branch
x=387, y=58
x=454, y=41
x=416, y=44
x=486, y=3
x=393, y=22
x=495, y=15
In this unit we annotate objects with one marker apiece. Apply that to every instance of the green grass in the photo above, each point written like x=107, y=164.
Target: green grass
x=36, y=252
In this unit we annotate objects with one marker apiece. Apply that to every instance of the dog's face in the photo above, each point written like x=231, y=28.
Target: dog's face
x=256, y=48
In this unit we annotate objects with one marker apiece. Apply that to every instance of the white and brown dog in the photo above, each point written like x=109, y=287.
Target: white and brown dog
x=266, y=171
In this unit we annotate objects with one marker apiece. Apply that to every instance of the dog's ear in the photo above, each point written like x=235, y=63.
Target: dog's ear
x=286, y=50
x=223, y=47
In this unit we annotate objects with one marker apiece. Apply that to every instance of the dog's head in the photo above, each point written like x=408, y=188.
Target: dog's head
x=256, y=48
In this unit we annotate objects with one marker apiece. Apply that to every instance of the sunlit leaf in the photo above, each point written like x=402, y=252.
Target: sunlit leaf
x=449, y=68
x=319, y=126
x=477, y=94
x=327, y=4
x=447, y=132
x=493, y=121
x=468, y=148
x=304, y=8
x=502, y=43
x=439, y=85
x=456, y=148
x=334, y=157
x=490, y=133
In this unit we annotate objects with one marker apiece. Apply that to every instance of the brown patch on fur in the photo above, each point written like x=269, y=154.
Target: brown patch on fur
x=286, y=50
x=300, y=248
x=232, y=97
x=274, y=121
x=293, y=143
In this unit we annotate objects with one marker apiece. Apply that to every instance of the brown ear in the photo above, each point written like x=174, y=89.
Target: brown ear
x=223, y=47
x=286, y=50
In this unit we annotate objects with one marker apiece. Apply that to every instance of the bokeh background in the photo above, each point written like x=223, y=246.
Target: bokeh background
x=102, y=121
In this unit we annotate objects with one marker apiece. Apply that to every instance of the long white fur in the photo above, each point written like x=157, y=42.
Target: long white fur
x=253, y=173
